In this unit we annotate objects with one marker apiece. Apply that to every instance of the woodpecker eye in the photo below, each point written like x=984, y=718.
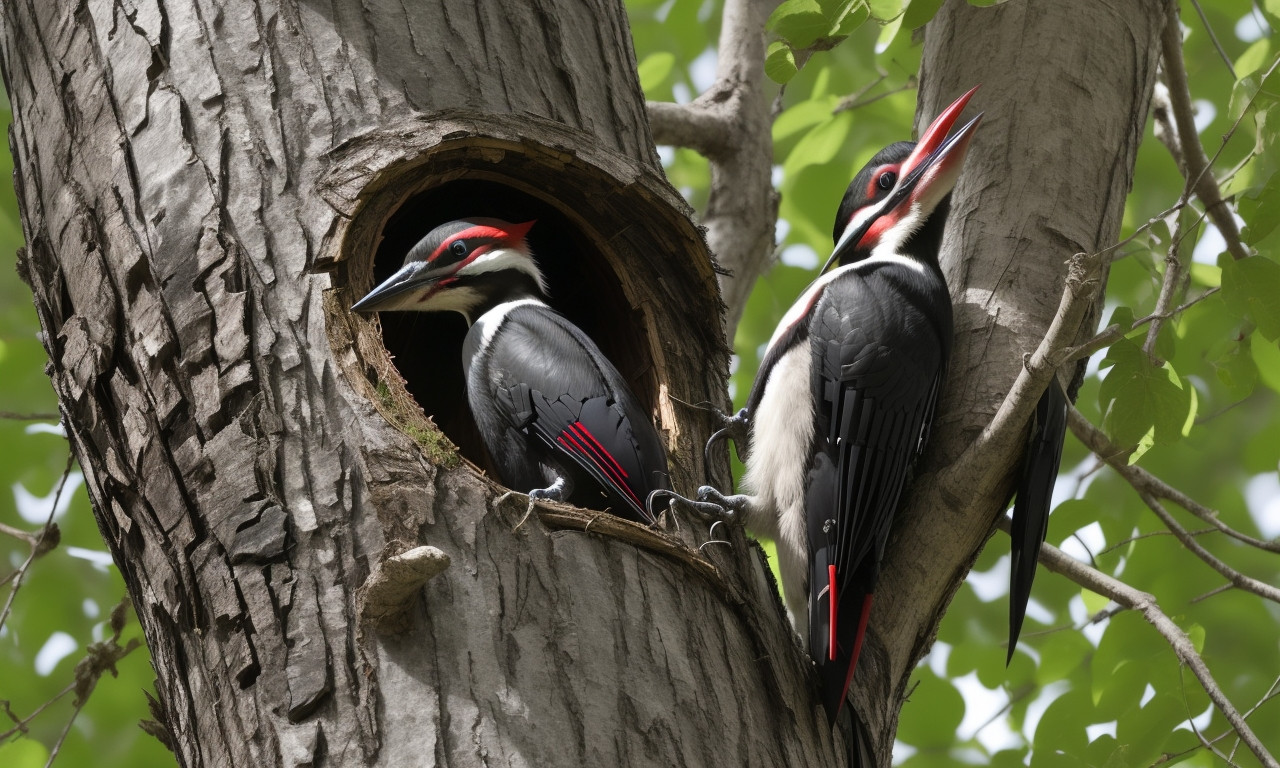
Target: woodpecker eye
x=459, y=248
x=887, y=180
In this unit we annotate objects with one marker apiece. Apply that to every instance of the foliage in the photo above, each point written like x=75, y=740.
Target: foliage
x=1104, y=692
x=1204, y=415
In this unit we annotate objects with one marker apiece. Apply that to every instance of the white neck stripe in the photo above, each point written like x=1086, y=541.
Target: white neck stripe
x=489, y=323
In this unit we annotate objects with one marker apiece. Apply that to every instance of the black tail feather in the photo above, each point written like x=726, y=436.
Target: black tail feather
x=1031, y=507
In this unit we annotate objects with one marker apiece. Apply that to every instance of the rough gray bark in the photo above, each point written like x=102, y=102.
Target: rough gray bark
x=1046, y=178
x=203, y=187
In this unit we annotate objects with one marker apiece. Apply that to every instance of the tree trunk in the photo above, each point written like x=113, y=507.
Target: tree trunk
x=1065, y=91
x=205, y=188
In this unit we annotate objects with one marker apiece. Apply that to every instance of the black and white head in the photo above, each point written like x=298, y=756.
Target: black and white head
x=897, y=194
x=461, y=266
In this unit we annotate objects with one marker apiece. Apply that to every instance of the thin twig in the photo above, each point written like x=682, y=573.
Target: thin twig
x=37, y=548
x=1197, y=164
x=29, y=416
x=1217, y=45
x=1114, y=333
x=856, y=100
x=1150, y=535
x=1094, y=580
x=1171, y=286
x=20, y=724
x=1238, y=579
x=1094, y=439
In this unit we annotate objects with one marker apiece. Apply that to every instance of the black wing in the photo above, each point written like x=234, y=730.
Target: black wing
x=556, y=387
x=1031, y=507
x=878, y=363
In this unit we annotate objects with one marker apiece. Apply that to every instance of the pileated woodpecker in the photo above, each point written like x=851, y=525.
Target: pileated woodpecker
x=554, y=413
x=841, y=405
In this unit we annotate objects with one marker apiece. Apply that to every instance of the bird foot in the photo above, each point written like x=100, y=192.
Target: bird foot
x=664, y=499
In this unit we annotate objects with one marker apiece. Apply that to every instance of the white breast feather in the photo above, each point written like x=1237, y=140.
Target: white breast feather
x=781, y=435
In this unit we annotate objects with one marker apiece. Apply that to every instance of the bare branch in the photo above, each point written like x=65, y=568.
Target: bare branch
x=1145, y=482
x=703, y=128
x=730, y=125
x=1094, y=580
x=1171, y=287
x=1183, y=128
x=1217, y=45
x=1114, y=333
x=1237, y=579
x=856, y=100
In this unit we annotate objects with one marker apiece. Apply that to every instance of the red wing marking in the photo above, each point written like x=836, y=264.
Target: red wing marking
x=583, y=431
x=831, y=602
x=581, y=441
x=857, y=644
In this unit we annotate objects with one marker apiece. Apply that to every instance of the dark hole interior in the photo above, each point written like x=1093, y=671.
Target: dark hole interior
x=427, y=346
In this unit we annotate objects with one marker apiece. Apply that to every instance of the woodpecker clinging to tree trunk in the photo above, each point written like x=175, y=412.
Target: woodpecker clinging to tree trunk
x=554, y=413
x=842, y=402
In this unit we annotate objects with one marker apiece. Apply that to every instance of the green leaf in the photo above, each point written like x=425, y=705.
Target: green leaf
x=799, y=22
x=1266, y=355
x=1061, y=728
x=919, y=12
x=23, y=753
x=1251, y=288
x=1237, y=370
x=1253, y=91
x=1260, y=209
x=820, y=145
x=802, y=116
x=1140, y=400
x=1196, y=633
x=1253, y=58
x=884, y=10
x=780, y=63
x=936, y=709
x=1093, y=602
x=655, y=69
x=1206, y=274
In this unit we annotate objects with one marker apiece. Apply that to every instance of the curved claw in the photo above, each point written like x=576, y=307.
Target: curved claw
x=674, y=499
x=733, y=426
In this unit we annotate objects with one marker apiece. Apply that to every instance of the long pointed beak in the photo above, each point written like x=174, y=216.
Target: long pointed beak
x=408, y=278
x=935, y=161
x=933, y=137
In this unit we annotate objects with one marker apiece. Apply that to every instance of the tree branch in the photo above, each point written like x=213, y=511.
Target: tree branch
x=1171, y=287
x=1145, y=482
x=1095, y=581
x=700, y=126
x=1181, y=131
x=1114, y=333
x=1236, y=578
x=730, y=126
